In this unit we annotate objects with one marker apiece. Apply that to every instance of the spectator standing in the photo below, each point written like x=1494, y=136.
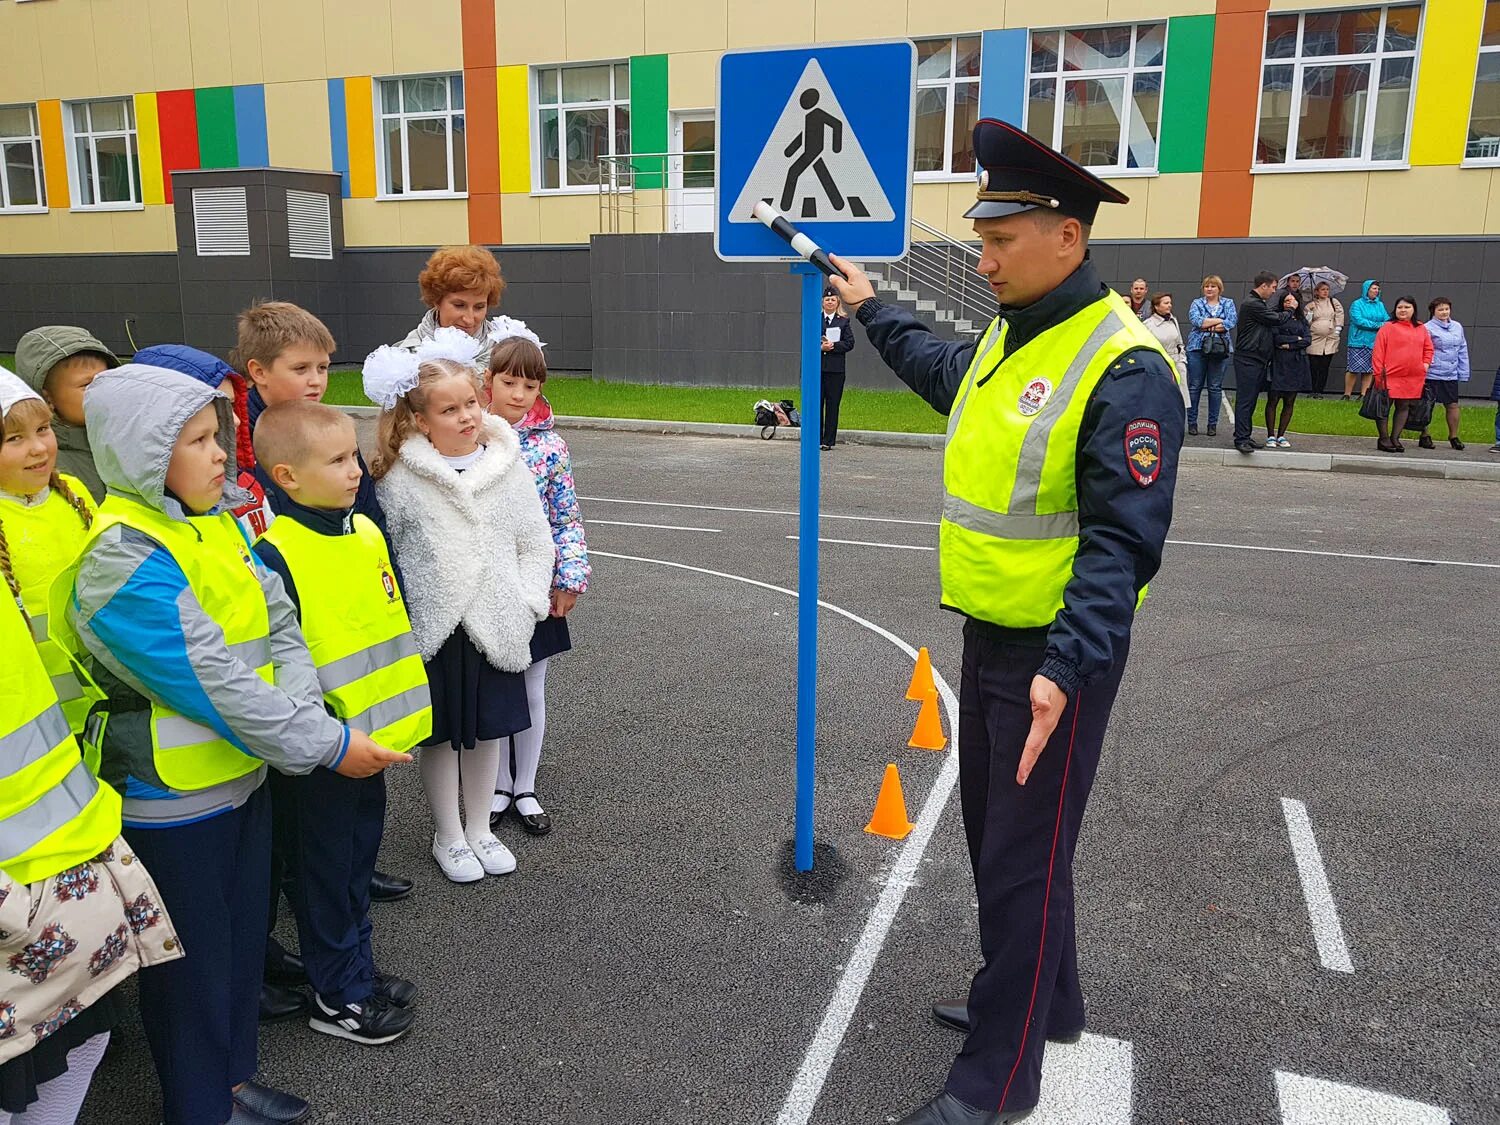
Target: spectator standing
x=1366, y=315
x=1213, y=318
x=1401, y=355
x=1254, y=344
x=1290, y=375
x=1294, y=287
x=1450, y=366
x=1164, y=327
x=1136, y=298
x=1325, y=320
x=1495, y=398
x=838, y=339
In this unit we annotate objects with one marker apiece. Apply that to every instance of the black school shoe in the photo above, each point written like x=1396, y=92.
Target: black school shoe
x=280, y=1003
x=371, y=1023
x=396, y=991
x=538, y=824
x=389, y=888
x=270, y=1104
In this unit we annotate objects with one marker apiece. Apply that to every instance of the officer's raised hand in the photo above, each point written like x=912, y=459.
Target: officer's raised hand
x=365, y=757
x=1048, y=702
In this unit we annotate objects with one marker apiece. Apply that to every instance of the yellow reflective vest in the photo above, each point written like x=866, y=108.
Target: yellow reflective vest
x=1009, y=531
x=215, y=558
x=54, y=813
x=356, y=627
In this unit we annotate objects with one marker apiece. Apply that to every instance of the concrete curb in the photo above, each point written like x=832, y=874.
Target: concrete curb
x=1290, y=460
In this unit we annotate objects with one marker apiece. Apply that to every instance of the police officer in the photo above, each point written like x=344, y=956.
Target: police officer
x=1064, y=427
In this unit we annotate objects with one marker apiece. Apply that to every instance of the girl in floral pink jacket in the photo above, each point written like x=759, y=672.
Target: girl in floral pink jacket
x=514, y=385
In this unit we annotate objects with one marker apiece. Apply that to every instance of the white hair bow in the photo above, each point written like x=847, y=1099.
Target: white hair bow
x=448, y=343
x=505, y=328
x=391, y=372
x=13, y=389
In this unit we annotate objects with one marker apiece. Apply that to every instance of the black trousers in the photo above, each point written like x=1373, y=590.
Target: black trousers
x=201, y=1013
x=332, y=826
x=1021, y=843
x=833, y=394
x=1250, y=375
x=1320, y=365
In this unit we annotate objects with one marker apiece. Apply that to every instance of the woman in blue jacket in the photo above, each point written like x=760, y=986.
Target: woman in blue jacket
x=1450, y=365
x=1366, y=315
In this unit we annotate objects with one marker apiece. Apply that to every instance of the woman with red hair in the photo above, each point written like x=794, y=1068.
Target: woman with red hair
x=460, y=285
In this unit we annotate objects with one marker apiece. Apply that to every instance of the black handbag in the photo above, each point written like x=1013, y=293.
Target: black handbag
x=1419, y=417
x=1376, y=405
x=1215, y=343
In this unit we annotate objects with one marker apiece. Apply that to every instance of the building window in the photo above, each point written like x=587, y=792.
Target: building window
x=583, y=117
x=105, y=160
x=1317, y=81
x=21, y=157
x=1095, y=94
x=422, y=149
x=947, y=104
x=1484, y=115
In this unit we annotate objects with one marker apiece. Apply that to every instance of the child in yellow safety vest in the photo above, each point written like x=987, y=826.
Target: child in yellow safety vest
x=337, y=571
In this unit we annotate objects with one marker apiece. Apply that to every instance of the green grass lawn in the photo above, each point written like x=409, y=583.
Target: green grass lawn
x=1334, y=416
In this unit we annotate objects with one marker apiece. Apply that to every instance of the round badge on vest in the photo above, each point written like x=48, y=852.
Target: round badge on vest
x=1034, y=397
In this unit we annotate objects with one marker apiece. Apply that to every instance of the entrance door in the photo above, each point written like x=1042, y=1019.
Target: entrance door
x=691, y=179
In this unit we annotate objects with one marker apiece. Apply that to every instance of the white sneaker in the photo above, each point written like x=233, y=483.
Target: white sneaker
x=458, y=861
x=495, y=857
x=1284, y=443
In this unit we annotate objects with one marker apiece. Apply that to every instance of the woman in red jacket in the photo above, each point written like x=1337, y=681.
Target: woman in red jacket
x=1403, y=352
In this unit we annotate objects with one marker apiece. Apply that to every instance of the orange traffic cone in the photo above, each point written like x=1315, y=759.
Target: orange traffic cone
x=928, y=734
x=921, y=678
x=889, y=819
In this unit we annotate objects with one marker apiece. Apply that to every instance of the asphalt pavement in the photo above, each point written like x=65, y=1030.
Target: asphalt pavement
x=1317, y=642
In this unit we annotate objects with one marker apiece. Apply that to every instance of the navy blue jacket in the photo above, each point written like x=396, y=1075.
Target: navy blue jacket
x=833, y=362
x=1123, y=525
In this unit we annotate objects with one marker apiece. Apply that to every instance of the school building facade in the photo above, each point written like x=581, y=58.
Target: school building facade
x=1248, y=133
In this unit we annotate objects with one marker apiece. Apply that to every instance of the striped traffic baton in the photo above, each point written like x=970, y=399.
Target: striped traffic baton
x=794, y=238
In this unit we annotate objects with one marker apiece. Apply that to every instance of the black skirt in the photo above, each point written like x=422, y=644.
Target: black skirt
x=1444, y=393
x=550, y=639
x=20, y=1076
x=472, y=700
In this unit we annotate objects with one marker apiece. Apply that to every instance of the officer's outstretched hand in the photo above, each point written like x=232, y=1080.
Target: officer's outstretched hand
x=854, y=288
x=366, y=757
x=1048, y=701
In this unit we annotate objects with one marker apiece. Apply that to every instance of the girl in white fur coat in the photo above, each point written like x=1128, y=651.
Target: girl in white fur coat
x=475, y=550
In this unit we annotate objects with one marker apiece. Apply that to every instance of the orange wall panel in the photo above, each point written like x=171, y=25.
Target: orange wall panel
x=482, y=121
x=1229, y=149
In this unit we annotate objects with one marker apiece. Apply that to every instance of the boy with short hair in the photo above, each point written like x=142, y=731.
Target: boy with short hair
x=58, y=362
x=336, y=568
x=209, y=682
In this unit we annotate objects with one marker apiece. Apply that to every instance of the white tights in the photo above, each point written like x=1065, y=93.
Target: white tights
x=528, y=747
x=443, y=771
x=59, y=1100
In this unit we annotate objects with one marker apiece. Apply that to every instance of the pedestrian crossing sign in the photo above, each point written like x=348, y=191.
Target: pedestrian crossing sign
x=824, y=134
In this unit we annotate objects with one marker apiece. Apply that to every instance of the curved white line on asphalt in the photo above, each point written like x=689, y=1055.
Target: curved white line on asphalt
x=817, y=1061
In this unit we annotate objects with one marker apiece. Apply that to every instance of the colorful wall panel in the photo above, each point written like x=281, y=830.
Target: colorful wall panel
x=513, y=100
x=54, y=152
x=177, y=117
x=1002, y=75
x=1185, y=91
x=217, y=145
x=481, y=121
x=338, y=131
x=351, y=134
x=148, y=139
x=648, y=117
x=250, y=126
x=1229, y=144
x=1445, y=81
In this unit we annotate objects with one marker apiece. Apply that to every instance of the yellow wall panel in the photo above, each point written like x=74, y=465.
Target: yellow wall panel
x=673, y=26
x=1298, y=6
x=32, y=234
x=1171, y=204
x=125, y=63
x=1492, y=211
x=1054, y=13
x=432, y=222
x=528, y=32
x=520, y=219
x=148, y=140
x=512, y=86
x=253, y=42
x=432, y=42
x=171, y=45
x=1445, y=81
x=359, y=128
x=691, y=80
x=70, y=62
x=209, y=42
x=297, y=125
x=837, y=20
x=772, y=22
x=85, y=232
x=924, y=18
x=357, y=37
x=930, y=204
x=1134, y=10
x=54, y=152
x=605, y=29
x=371, y=223
x=1462, y=195
x=569, y=218
x=1124, y=220
x=1280, y=208
x=149, y=231
x=21, y=76
x=293, y=41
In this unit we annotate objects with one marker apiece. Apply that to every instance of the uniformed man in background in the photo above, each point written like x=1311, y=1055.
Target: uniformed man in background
x=1064, y=426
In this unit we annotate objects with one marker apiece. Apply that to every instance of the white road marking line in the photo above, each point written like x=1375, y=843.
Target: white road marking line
x=1087, y=1083
x=867, y=543
x=751, y=511
x=821, y=1052
x=658, y=526
x=1327, y=932
x=1332, y=554
x=1316, y=1101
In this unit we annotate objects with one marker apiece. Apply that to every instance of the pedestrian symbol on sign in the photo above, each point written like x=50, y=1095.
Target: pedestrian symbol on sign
x=812, y=165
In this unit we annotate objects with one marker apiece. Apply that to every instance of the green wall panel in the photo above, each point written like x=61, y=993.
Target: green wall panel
x=1184, y=103
x=648, y=116
x=218, y=144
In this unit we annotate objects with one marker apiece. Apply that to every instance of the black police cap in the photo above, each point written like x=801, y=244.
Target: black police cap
x=1018, y=173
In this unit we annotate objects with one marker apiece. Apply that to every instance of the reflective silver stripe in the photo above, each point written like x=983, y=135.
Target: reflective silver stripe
x=67, y=687
x=254, y=653
x=987, y=344
x=367, y=661
x=33, y=742
x=1034, y=444
x=39, y=627
x=23, y=830
x=392, y=710
x=1009, y=525
x=174, y=731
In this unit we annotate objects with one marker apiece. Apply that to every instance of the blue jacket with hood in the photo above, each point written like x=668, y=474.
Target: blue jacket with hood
x=1366, y=315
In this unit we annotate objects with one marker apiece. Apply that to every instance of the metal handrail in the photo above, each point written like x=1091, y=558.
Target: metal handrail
x=617, y=179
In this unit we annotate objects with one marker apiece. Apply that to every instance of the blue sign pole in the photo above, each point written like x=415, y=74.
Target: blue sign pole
x=807, y=553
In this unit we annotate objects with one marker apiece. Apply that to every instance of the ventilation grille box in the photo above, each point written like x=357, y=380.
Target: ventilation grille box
x=221, y=222
x=309, y=225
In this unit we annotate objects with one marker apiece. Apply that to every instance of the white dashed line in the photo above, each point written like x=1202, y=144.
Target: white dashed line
x=1327, y=932
x=1332, y=554
x=658, y=526
x=867, y=543
x=1316, y=1101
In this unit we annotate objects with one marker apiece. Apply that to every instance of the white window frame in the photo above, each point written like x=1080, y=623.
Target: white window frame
x=950, y=83
x=132, y=148
x=1479, y=161
x=1299, y=64
x=538, y=159
x=34, y=137
x=383, y=117
x=1128, y=72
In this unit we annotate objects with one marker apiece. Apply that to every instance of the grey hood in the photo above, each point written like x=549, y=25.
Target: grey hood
x=134, y=415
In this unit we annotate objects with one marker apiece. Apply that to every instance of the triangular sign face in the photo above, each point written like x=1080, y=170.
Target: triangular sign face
x=813, y=168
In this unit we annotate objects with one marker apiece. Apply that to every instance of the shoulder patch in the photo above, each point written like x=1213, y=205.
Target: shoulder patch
x=1143, y=451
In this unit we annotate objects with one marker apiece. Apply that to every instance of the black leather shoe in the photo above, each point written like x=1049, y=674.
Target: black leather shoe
x=279, y=1003
x=389, y=888
x=397, y=991
x=955, y=1014
x=497, y=817
x=270, y=1104
x=284, y=968
x=1426, y=442
x=1244, y=446
x=538, y=824
x=1213, y=431
x=1193, y=430
x=945, y=1109
x=239, y=1115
